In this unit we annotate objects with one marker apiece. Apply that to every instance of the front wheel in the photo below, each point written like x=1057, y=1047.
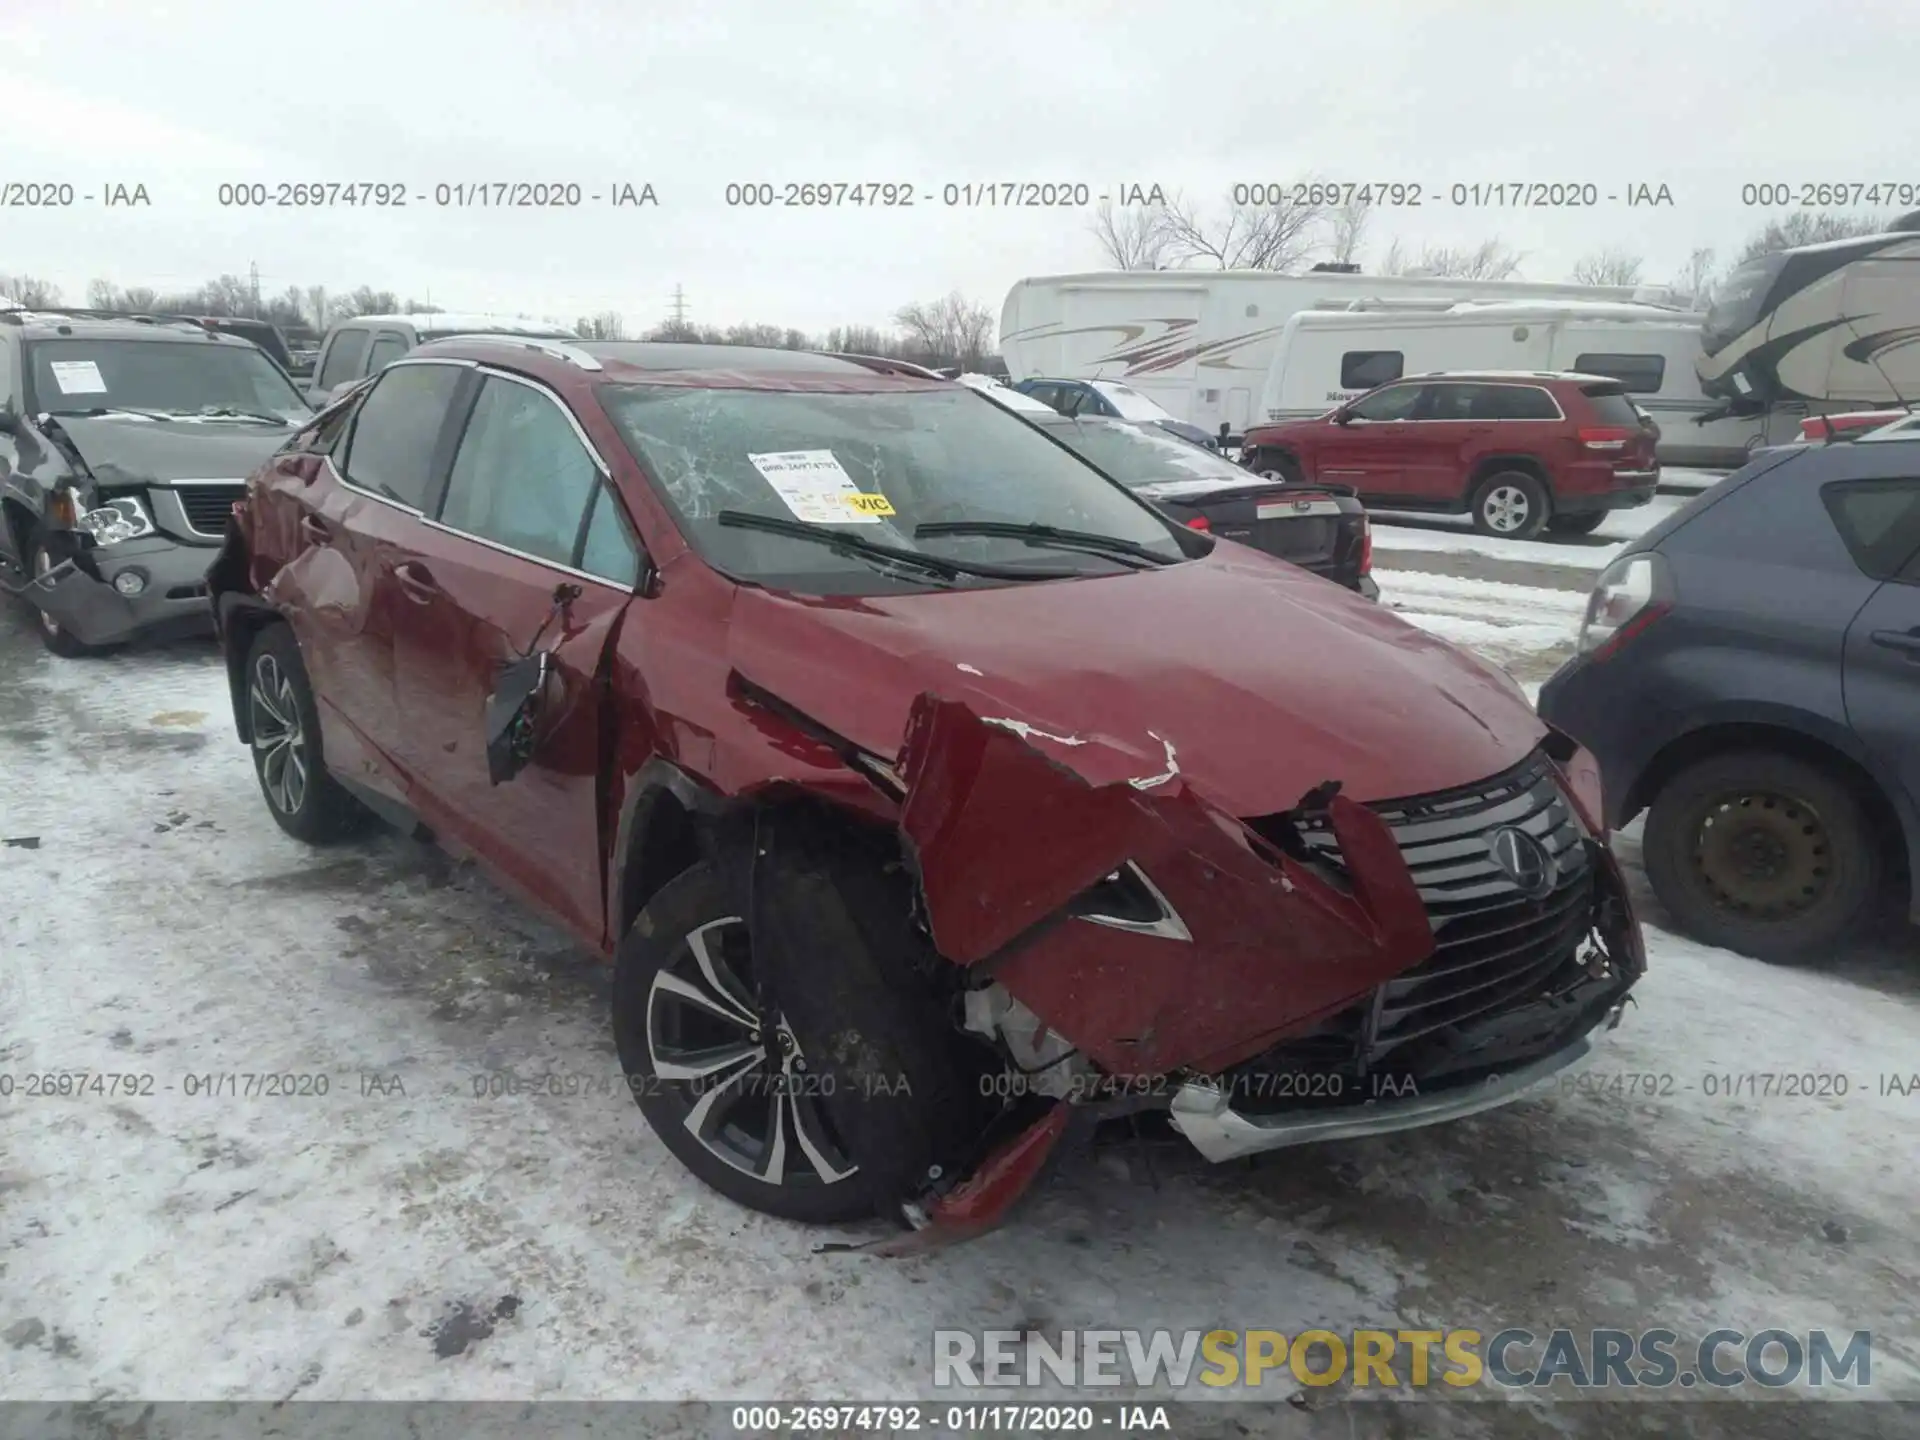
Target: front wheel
x=53, y=635
x=1512, y=505
x=1272, y=465
x=1764, y=854
x=716, y=1070
x=1584, y=523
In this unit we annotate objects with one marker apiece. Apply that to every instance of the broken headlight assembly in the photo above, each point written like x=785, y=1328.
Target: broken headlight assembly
x=110, y=523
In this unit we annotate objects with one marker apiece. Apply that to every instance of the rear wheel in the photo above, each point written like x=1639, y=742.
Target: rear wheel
x=303, y=798
x=1764, y=854
x=1512, y=505
x=1584, y=523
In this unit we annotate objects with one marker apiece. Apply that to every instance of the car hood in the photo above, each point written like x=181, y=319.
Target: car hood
x=124, y=451
x=1253, y=680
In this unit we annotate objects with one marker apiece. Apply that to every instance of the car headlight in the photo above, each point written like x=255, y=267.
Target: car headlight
x=115, y=522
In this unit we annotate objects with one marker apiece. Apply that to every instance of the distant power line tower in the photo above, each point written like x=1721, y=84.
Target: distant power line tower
x=679, y=306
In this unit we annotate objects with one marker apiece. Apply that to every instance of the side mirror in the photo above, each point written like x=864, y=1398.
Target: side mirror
x=513, y=713
x=1343, y=416
x=9, y=424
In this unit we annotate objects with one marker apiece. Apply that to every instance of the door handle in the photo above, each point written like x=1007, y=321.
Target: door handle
x=1907, y=640
x=315, y=530
x=415, y=582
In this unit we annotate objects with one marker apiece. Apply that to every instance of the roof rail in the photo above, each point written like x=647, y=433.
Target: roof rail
x=572, y=354
x=886, y=366
x=31, y=314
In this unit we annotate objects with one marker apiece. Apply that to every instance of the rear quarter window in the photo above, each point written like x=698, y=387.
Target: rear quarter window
x=1878, y=521
x=1612, y=407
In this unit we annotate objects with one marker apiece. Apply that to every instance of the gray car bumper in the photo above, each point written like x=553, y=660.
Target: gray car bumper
x=171, y=601
x=1219, y=1132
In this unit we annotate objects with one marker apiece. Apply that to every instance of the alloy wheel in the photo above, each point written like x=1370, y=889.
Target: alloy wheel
x=1506, y=508
x=279, y=742
x=735, y=1064
x=1763, y=855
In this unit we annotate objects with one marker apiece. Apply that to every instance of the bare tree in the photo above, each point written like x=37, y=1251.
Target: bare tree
x=1608, y=267
x=1133, y=237
x=1489, y=260
x=1693, y=287
x=29, y=290
x=1348, y=223
x=607, y=325
x=1807, y=227
x=317, y=306
x=954, y=329
x=1242, y=237
x=103, y=295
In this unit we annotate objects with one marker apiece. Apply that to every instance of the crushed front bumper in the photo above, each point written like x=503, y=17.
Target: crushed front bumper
x=1204, y=1115
x=80, y=592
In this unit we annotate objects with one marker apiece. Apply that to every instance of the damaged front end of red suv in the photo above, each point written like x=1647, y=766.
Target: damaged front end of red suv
x=1103, y=940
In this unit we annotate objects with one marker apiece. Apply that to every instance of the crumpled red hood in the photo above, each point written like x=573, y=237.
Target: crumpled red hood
x=1254, y=679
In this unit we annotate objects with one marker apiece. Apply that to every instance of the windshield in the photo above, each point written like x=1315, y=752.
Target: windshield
x=1131, y=404
x=165, y=377
x=1138, y=457
x=1736, y=304
x=875, y=466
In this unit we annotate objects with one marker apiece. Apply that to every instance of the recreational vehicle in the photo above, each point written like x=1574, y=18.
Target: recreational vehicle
x=1326, y=358
x=1819, y=328
x=1199, y=342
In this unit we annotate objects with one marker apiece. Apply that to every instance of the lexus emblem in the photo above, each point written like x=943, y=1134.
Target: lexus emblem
x=1523, y=860
x=1302, y=506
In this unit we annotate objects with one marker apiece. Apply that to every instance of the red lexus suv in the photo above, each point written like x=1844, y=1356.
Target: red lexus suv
x=932, y=796
x=1519, y=451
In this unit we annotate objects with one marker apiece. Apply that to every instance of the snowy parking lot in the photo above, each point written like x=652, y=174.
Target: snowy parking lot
x=398, y=1228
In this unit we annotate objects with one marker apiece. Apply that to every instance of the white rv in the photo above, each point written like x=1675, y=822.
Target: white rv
x=1326, y=358
x=1200, y=341
x=1818, y=329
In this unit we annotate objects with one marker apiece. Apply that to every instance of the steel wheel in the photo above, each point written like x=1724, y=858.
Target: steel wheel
x=278, y=737
x=1764, y=856
x=750, y=1101
x=1507, y=509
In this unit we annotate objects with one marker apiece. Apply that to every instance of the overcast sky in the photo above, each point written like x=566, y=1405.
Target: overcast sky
x=1192, y=95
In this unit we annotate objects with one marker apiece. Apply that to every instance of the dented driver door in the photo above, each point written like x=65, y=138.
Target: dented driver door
x=528, y=550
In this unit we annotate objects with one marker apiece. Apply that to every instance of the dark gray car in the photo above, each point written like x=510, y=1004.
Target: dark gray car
x=1749, y=676
x=124, y=441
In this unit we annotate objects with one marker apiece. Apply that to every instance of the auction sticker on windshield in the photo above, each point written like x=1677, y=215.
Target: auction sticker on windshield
x=817, y=490
x=78, y=377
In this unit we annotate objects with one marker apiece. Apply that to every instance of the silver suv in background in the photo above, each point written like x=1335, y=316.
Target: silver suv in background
x=357, y=348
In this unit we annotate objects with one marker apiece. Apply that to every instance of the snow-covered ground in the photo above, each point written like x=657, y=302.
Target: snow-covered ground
x=401, y=1236
x=1454, y=534
x=1527, y=629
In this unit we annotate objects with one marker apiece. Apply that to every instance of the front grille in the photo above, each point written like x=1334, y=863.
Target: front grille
x=207, y=506
x=1497, y=951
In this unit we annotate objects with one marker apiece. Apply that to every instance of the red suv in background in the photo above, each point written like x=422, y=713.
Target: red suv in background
x=1519, y=451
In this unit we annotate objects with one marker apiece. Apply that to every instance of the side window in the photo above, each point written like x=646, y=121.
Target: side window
x=1092, y=402
x=388, y=346
x=1364, y=369
x=609, y=550
x=396, y=428
x=1520, y=402
x=6, y=372
x=521, y=477
x=344, y=355
x=1047, y=394
x=1456, y=402
x=1641, y=374
x=1393, y=403
x=1880, y=522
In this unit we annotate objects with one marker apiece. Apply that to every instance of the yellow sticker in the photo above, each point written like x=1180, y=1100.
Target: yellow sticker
x=870, y=504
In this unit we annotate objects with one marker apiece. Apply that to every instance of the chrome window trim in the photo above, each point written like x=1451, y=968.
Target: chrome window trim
x=556, y=565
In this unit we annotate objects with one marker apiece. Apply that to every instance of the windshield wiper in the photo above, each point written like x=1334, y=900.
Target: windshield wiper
x=96, y=411
x=230, y=412
x=1109, y=545
x=878, y=550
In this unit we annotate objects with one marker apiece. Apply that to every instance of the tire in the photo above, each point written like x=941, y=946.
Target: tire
x=1511, y=505
x=1272, y=465
x=58, y=641
x=691, y=934
x=1584, y=523
x=1764, y=854
x=303, y=798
